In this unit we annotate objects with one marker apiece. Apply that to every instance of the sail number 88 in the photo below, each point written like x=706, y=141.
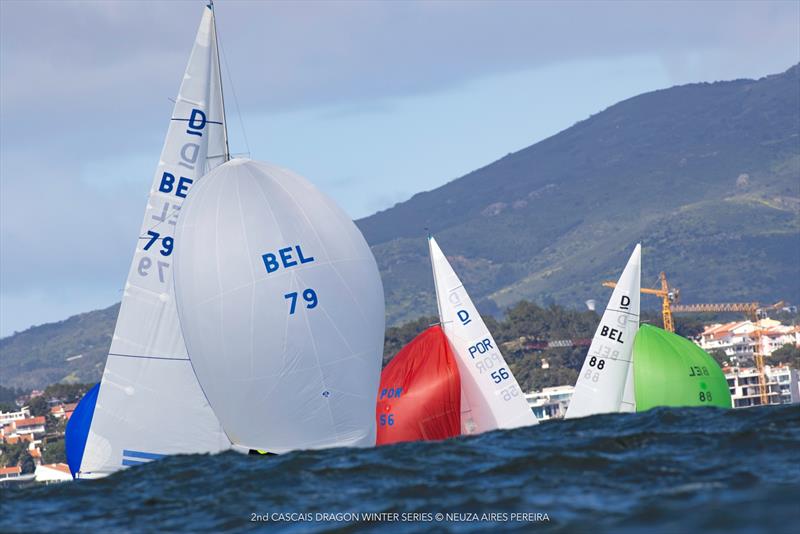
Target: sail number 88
x=309, y=297
x=600, y=364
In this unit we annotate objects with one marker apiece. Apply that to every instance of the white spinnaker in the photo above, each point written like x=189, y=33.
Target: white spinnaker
x=150, y=403
x=605, y=383
x=490, y=395
x=282, y=309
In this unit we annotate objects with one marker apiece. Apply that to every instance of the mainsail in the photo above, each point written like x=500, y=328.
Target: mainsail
x=491, y=397
x=672, y=371
x=149, y=403
x=420, y=393
x=605, y=383
x=282, y=309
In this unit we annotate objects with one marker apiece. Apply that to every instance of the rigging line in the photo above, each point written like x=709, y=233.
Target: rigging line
x=221, y=49
x=219, y=75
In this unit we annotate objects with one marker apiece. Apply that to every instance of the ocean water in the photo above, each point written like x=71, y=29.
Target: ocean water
x=666, y=470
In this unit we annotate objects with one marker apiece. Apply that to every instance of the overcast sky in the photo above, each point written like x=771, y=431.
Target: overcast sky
x=372, y=101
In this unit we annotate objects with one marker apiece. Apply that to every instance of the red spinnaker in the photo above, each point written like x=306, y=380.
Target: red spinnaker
x=420, y=393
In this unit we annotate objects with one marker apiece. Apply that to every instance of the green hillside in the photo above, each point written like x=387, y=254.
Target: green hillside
x=706, y=176
x=38, y=356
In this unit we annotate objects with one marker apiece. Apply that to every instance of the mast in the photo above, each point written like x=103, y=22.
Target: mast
x=227, y=155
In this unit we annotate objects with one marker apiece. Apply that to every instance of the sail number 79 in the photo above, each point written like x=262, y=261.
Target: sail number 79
x=309, y=297
x=166, y=242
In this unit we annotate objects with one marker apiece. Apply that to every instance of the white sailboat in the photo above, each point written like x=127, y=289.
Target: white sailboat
x=282, y=309
x=490, y=395
x=605, y=382
x=149, y=402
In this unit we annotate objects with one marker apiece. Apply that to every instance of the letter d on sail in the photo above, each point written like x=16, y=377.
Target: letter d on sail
x=197, y=121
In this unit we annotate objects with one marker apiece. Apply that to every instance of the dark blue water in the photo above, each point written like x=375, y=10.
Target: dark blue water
x=687, y=470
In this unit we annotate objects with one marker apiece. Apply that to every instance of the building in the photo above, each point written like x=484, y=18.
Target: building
x=783, y=385
x=35, y=453
x=13, y=438
x=31, y=425
x=29, y=429
x=738, y=340
x=10, y=472
x=53, y=473
x=550, y=403
x=63, y=410
x=8, y=417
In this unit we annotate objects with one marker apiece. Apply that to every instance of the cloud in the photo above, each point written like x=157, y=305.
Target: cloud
x=91, y=57
x=84, y=90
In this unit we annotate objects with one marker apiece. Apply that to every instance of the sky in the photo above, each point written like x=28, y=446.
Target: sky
x=373, y=101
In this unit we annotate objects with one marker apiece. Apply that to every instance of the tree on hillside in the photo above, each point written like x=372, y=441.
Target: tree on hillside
x=10, y=455
x=39, y=406
x=689, y=326
x=27, y=464
x=9, y=395
x=788, y=354
x=398, y=336
x=719, y=356
x=531, y=376
x=528, y=319
x=67, y=392
x=54, y=452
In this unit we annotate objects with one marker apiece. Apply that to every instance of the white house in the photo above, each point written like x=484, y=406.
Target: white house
x=783, y=385
x=738, y=339
x=53, y=473
x=10, y=472
x=550, y=403
x=8, y=417
x=31, y=425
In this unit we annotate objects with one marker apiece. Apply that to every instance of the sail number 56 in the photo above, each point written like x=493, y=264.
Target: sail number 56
x=499, y=375
x=309, y=297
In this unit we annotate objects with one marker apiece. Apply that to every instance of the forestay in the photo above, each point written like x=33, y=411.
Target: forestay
x=491, y=397
x=150, y=403
x=282, y=309
x=605, y=382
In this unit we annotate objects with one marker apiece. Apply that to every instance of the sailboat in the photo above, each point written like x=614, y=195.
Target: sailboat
x=670, y=370
x=149, y=403
x=419, y=397
x=606, y=380
x=282, y=309
x=632, y=368
x=490, y=395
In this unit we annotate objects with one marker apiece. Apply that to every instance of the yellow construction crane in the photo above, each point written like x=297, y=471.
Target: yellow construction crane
x=668, y=296
x=669, y=304
x=754, y=311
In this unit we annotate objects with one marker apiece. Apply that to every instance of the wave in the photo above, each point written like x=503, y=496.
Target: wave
x=665, y=470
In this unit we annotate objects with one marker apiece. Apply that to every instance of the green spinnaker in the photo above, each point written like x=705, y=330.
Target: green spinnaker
x=669, y=370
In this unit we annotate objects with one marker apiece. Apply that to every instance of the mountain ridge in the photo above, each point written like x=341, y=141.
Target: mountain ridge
x=705, y=175
x=654, y=155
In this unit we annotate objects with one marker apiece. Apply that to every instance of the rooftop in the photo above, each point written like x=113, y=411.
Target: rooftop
x=16, y=470
x=31, y=421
